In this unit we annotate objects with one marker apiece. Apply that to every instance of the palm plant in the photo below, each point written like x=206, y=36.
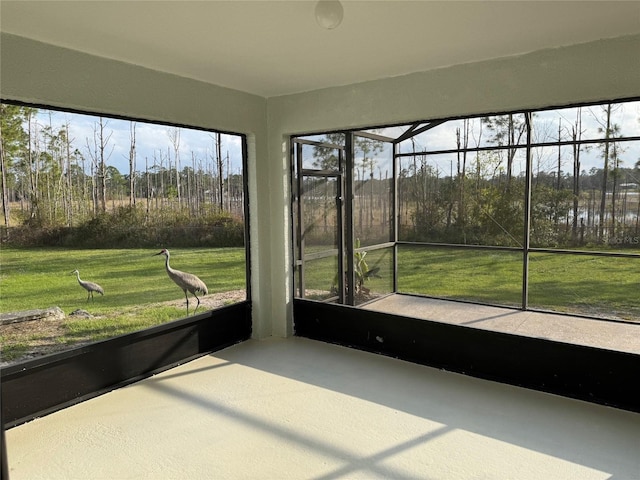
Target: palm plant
x=361, y=270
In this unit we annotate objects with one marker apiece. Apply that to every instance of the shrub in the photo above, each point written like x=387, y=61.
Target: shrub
x=128, y=227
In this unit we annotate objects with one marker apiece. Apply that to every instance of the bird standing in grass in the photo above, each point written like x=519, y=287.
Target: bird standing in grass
x=90, y=287
x=188, y=282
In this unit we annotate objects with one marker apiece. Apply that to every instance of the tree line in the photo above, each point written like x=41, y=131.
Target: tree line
x=474, y=192
x=51, y=180
x=482, y=199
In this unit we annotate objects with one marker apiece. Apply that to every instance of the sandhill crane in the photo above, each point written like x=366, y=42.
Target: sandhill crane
x=188, y=282
x=90, y=287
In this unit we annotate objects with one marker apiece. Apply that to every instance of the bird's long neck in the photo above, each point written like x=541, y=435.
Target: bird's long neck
x=166, y=263
x=78, y=276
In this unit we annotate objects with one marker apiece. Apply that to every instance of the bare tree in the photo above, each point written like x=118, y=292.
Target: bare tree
x=609, y=131
x=507, y=130
x=556, y=217
x=33, y=166
x=148, y=177
x=576, y=136
x=220, y=168
x=67, y=176
x=462, y=141
x=132, y=165
x=98, y=153
x=174, y=137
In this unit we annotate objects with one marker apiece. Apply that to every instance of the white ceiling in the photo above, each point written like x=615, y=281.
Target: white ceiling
x=272, y=48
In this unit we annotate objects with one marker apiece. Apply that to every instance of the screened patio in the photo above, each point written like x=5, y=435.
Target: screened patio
x=303, y=380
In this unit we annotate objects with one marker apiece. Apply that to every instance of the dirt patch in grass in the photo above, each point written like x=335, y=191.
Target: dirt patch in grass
x=34, y=338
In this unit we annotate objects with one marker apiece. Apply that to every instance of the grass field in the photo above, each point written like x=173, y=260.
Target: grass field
x=581, y=284
x=589, y=285
x=139, y=294
x=135, y=282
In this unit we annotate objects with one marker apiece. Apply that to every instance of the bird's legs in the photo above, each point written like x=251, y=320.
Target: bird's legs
x=186, y=297
x=194, y=312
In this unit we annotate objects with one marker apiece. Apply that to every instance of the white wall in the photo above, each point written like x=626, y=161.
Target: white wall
x=43, y=74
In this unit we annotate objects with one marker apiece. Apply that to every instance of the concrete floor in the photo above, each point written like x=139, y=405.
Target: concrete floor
x=605, y=334
x=301, y=409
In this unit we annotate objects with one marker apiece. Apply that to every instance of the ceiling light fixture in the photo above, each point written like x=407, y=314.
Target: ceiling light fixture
x=329, y=13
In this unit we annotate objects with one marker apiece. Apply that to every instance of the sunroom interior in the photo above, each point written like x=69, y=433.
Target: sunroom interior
x=328, y=370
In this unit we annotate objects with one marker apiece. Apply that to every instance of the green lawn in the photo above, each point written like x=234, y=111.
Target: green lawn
x=134, y=280
x=320, y=274
x=581, y=284
x=483, y=276
x=136, y=283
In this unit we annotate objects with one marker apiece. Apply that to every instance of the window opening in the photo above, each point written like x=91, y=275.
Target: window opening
x=102, y=195
x=534, y=210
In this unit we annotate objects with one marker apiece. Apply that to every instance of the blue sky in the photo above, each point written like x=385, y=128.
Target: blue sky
x=152, y=141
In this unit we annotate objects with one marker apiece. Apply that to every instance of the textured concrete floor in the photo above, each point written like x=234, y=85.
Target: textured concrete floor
x=300, y=409
x=609, y=335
